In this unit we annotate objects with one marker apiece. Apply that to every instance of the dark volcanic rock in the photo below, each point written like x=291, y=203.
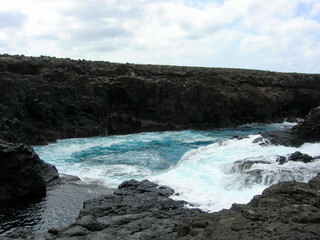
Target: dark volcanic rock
x=287, y=210
x=137, y=210
x=285, y=138
x=296, y=157
x=309, y=129
x=306, y=131
x=23, y=175
x=299, y=157
x=44, y=99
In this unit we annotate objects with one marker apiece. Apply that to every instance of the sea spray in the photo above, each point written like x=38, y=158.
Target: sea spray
x=201, y=166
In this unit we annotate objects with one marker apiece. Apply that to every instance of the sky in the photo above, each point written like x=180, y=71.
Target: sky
x=275, y=35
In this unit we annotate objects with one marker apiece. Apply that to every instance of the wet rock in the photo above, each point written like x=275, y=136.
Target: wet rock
x=23, y=175
x=299, y=157
x=309, y=129
x=305, y=131
x=285, y=138
x=282, y=160
x=295, y=157
x=292, y=120
x=242, y=165
x=287, y=210
x=139, y=210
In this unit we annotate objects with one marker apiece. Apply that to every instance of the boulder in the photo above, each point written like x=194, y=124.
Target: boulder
x=23, y=175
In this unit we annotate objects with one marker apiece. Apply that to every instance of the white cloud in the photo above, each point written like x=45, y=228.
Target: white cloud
x=281, y=35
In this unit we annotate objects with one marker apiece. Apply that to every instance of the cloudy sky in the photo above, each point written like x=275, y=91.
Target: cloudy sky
x=277, y=35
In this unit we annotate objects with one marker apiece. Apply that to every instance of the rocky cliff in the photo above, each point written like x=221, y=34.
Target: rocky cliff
x=44, y=99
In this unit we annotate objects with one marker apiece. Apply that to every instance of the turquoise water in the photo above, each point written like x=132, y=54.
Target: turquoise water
x=197, y=164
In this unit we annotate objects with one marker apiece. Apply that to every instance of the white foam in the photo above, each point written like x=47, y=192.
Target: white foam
x=201, y=177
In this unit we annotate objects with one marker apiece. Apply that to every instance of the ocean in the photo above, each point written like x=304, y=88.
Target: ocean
x=210, y=170
x=201, y=166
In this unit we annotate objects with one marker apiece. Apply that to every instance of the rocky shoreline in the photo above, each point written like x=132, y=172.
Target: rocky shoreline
x=44, y=99
x=144, y=210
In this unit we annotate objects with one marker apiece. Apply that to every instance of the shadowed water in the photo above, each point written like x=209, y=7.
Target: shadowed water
x=59, y=208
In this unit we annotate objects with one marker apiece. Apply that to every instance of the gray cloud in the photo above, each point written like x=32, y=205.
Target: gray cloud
x=194, y=36
x=106, y=47
x=89, y=35
x=12, y=19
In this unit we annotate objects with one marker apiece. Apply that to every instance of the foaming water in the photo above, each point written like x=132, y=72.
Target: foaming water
x=201, y=166
x=207, y=177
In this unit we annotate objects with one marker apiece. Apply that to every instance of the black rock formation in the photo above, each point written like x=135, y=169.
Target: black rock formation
x=309, y=129
x=306, y=131
x=287, y=210
x=44, y=99
x=279, y=137
x=142, y=210
x=136, y=210
x=296, y=157
x=23, y=175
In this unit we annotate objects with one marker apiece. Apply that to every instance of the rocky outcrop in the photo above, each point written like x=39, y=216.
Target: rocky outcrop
x=136, y=210
x=44, y=99
x=23, y=175
x=287, y=210
x=142, y=210
x=306, y=131
x=296, y=157
x=309, y=129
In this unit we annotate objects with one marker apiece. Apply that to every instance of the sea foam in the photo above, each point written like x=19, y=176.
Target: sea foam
x=201, y=166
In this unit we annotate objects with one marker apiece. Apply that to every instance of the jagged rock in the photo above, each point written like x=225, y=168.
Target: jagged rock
x=285, y=138
x=23, y=175
x=287, y=210
x=299, y=157
x=242, y=165
x=137, y=210
x=295, y=157
x=44, y=99
x=281, y=160
x=305, y=131
x=309, y=129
